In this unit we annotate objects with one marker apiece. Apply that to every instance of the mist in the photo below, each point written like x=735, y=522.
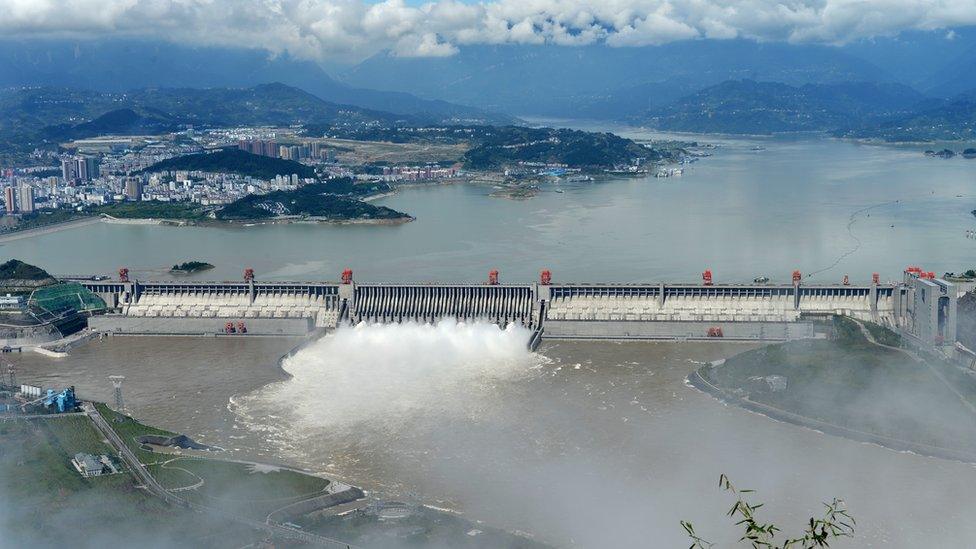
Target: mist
x=584, y=444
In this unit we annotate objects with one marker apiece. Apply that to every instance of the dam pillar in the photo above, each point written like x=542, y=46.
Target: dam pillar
x=873, y=298
x=660, y=294
x=797, y=277
x=347, y=299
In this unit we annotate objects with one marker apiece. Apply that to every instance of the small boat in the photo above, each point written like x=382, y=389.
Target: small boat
x=560, y=191
x=761, y=279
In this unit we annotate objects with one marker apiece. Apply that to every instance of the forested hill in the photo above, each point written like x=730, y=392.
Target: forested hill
x=315, y=201
x=234, y=161
x=495, y=147
x=750, y=107
x=44, y=117
x=953, y=119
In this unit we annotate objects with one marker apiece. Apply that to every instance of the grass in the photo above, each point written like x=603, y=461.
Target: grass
x=226, y=484
x=883, y=335
x=46, y=503
x=848, y=381
x=424, y=528
x=153, y=210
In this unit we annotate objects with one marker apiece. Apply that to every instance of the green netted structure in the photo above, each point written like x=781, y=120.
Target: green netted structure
x=57, y=299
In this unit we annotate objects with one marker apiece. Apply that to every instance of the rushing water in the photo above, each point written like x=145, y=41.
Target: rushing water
x=741, y=213
x=588, y=444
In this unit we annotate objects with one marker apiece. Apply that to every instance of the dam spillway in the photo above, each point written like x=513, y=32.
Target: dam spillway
x=664, y=311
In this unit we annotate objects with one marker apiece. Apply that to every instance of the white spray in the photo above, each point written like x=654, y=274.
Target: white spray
x=370, y=380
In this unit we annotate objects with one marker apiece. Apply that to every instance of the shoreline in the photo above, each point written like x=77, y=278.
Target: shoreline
x=697, y=381
x=48, y=229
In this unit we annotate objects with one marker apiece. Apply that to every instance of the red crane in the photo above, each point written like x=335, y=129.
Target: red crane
x=875, y=278
x=124, y=274
x=347, y=276
x=797, y=276
x=847, y=280
x=545, y=277
x=707, y=277
x=248, y=275
x=493, y=277
x=241, y=327
x=229, y=328
x=715, y=331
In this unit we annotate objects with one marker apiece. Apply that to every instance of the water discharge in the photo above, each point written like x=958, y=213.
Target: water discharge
x=371, y=381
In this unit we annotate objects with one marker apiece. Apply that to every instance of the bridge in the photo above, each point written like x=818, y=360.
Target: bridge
x=919, y=305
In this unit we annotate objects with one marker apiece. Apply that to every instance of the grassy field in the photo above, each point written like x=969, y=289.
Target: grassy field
x=44, y=502
x=236, y=487
x=366, y=152
x=850, y=382
x=424, y=528
x=153, y=210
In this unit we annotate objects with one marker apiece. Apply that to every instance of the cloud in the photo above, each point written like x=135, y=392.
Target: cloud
x=319, y=29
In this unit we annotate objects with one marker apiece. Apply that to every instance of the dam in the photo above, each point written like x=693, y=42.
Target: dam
x=920, y=306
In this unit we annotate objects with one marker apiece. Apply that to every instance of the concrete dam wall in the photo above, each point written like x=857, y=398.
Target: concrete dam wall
x=499, y=304
x=611, y=311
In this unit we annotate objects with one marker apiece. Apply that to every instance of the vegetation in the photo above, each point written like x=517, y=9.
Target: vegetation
x=44, y=117
x=750, y=107
x=42, y=218
x=45, y=501
x=509, y=145
x=423, y=527
x=191, y=267
x=234, y=161
x=819, y=532
x=857, y=389
x=152, y=209
x=310, y=201
x=239, y=488
x=16, y=269
x=952, y=119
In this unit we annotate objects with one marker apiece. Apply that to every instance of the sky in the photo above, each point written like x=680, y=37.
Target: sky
x=337, y=29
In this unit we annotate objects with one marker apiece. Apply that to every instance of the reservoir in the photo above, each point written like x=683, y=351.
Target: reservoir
x=822, y=206
x=583, y=444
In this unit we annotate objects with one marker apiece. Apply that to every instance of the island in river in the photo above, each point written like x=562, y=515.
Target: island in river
x=190, y=267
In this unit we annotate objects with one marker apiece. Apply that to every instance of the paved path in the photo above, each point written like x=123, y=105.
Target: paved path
x=137, y=469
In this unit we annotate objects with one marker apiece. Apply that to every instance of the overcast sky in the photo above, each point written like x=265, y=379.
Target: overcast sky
x=337, y=29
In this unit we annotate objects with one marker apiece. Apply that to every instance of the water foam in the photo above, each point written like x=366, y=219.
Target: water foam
x=373, y=380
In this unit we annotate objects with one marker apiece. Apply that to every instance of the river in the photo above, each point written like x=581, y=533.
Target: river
x=584, y=444
x=742, y=213
x=589, y=444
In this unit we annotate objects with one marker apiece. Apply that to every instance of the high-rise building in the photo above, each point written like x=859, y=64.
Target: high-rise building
x=26, y=198
x=69, y=170
x=133, y=188
x=86, y=168
x=8, y=200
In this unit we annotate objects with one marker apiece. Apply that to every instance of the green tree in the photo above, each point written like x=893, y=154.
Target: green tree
x=819, y=532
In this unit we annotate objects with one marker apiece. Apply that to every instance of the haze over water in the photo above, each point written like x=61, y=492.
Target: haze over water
x=587, y=444
x=742, y=213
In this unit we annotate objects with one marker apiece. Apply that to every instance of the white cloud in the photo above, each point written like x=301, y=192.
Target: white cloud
x=317, y=29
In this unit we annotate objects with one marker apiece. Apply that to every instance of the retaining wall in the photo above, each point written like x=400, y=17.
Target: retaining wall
x=119, y=324
x=622, y=329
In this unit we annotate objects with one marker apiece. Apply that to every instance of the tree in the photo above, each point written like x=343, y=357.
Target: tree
x=819, y=532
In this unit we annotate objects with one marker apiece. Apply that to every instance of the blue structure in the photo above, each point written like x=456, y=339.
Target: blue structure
x=63, y=402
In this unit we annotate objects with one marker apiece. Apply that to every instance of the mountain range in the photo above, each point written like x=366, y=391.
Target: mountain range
x=903, y=87
x=119, y=65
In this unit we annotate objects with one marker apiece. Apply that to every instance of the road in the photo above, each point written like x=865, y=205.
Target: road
x=130, y=459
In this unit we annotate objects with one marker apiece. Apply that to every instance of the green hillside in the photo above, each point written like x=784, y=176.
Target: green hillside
x=234, y=161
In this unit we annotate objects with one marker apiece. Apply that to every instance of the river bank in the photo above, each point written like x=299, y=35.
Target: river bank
x=15, y=234
x=855, y=387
